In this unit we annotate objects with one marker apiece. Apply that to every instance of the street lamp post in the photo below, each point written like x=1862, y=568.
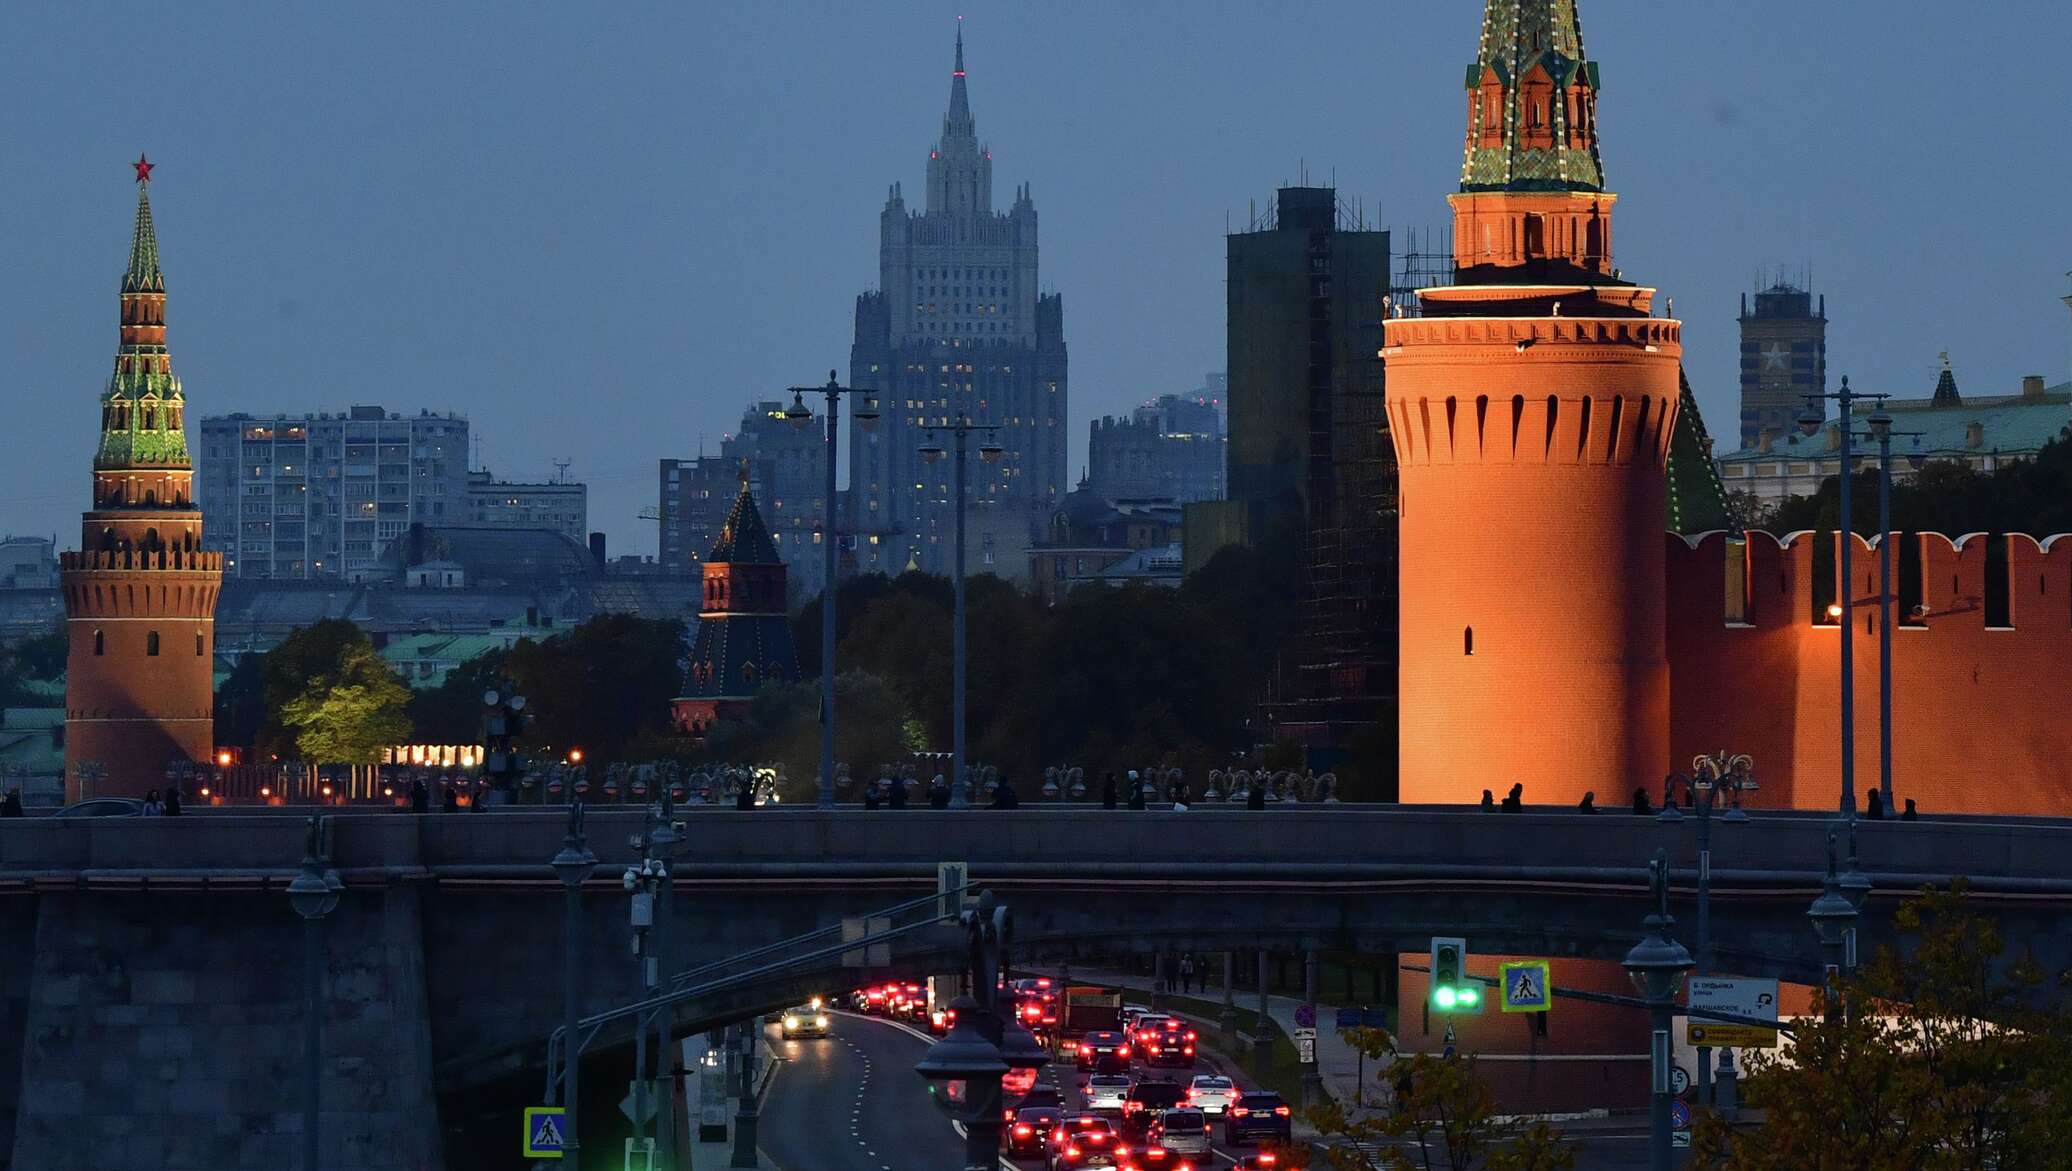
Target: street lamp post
x=662, y=839
x=573, y=866
x=1658, y=965
x=1711, y=775
x=644, y=882
x=1834, y=920
x=1844, y=611
x=313, y=894
x=1880, y=423
x=799, y=414
x=961, y=429
x=984, y=1043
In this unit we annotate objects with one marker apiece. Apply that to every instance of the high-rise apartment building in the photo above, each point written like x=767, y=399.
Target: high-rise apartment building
x=320, y=495
x=559, y=505
x=1783, y=359
x=959, y=326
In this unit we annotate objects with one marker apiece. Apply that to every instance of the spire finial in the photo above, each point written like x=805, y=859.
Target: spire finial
x=960, y=48
x=144, y=165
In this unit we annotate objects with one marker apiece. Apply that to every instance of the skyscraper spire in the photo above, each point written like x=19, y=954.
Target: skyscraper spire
x=960, y=173
x=960, y=102
x=1532, y=109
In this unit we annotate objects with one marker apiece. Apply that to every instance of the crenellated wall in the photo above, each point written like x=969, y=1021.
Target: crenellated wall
x=1978, y=725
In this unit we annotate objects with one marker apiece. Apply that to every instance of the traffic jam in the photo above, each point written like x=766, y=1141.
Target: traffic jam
x=1128, y=1088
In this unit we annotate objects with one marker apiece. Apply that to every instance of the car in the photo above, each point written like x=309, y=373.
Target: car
x=1130, y=1013
x=1268, y=1160
x=1037, y=1096
x=1170, y=1044
x=1105, y=1091
x=1159, y=1158
x=1211, y=1094
x=1145, y=1102
x=1083, y=1140
x=805, y=1021
x=1028, y=1133
x=1183, y=1131
x=1256, y=1115
x=941, y=1019
x=104, y=807
x=1148, y=1023
x=1103, y=1052
x=874, y=1000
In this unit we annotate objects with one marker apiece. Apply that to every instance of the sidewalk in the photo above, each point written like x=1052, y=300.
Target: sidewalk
x=1338, y=1064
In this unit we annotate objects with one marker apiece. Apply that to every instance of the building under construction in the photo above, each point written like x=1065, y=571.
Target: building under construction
x=1309, y=286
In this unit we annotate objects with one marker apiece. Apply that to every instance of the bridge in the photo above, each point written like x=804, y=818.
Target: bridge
x=153, y=1023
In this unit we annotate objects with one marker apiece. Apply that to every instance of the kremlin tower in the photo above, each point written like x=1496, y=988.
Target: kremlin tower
x=140, y=595
x=744, y=629
x=1532, y=405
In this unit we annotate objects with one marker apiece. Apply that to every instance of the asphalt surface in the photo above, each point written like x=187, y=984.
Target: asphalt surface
x=852, y=1102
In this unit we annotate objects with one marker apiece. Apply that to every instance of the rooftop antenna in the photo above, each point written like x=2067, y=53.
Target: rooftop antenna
x=478, y=450
x=561, y=470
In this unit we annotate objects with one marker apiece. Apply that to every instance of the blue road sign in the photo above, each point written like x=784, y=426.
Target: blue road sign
x=1679, y=1114
x=1305, y=1016
x=546, y=1128
x=1527, y=987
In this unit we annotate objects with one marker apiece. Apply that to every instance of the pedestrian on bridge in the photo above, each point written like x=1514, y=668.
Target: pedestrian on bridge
x=1108, y=795
x=1186, y=973
x=1589, y=803
x=153, y=807
x=1910, y=813
x=898, y=798
x=11, y=805
x=1641, y=804
x=1255, y=796
x=420, y=796
x=1004, y=797
x=172, y=801
x=1488, y=801
x=1136, y=791
x=870, y=795
x=938, y=793
x=1875, y=808
x=450, y=801
x=1514, y=801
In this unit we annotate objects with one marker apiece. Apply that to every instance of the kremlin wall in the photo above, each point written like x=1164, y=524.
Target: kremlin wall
x=1977, y=723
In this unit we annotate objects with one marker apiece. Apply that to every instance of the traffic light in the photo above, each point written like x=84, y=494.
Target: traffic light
x=1453, y=991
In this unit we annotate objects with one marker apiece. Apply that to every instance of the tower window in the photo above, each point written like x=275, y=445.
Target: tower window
x=200, y=644
x=1467, y=640
x=151, y=643
x=100, y=643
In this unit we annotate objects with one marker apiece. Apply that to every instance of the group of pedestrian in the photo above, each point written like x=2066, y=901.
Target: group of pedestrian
x=11, y=804
x=1513, y=802
x=166, y=805
x=1190, y=973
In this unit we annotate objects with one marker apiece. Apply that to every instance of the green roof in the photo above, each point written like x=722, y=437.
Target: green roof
x=744, y=539
x=1697, y=498
x=2008, y=425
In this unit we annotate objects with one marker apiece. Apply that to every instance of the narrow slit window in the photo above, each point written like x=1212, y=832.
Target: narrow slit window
x=151, y=643
x=1467, y=640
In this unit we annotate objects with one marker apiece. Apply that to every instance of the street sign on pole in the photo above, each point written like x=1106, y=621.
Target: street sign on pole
x=546, y=1131
x=1679, y=1080
x=1306, y=1049
x=951, y=876
x=1680, y=1123
x=1527, y=987
x=1736, y=995
x=640, y=1154
x=1306, y=1016
x=631, y=1104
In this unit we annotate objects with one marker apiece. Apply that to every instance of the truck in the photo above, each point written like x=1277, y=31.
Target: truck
x=1089, y=1008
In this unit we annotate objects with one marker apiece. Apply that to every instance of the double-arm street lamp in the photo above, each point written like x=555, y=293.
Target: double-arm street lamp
x=961, y=429
x=1880, y=424
x=1810, y=423
x=1658, y=965
x=798, y=415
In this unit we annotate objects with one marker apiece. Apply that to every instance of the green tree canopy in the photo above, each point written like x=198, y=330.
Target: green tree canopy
x=350, y=711
x=602, y=687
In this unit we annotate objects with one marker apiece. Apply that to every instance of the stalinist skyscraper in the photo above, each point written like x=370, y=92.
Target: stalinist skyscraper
x=959, y=324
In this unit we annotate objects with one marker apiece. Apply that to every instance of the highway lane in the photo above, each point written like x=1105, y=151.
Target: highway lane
x=852, y=1102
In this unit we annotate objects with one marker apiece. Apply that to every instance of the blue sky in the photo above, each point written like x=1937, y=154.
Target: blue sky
x=600, y=229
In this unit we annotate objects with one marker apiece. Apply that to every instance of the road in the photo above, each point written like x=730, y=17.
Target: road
x=852, y=1102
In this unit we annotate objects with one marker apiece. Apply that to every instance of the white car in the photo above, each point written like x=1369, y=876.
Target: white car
x=1211, y=1094
x=1105, y=1092
x=1183, y=1132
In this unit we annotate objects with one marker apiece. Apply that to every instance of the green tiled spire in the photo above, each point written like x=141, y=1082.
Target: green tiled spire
x=1524, y=131
x=744, y=539
x=1697, y=497
x=143, y=421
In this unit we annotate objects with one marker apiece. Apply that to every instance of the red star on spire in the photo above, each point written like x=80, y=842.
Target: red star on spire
x=143, y=166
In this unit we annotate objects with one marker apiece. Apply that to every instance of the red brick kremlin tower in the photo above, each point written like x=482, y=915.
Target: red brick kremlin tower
x=1532, y=405
x=743, y=643
x=140, y=595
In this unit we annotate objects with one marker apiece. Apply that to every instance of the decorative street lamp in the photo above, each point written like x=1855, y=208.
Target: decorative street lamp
x=573, y=865
x=313, y=894
x=1658, y=965
x=1834, y=920
x=1711, y=776
x=962, y=428
x=984, y=1043
x=798, y=415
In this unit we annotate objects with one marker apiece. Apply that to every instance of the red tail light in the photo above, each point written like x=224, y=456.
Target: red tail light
x=1072, y=1152
x=1190, y=1034
x=1123, y=1052
x=1239, y=1111
x=1190, y=1051
x=1281, y=1110
x=1024, y=1130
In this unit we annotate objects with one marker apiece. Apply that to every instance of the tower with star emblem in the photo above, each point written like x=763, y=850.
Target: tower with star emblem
x=140, y=594
x=1783, y=358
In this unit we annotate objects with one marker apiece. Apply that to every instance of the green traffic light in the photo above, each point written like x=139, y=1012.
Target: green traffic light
x=1470, y=996
x=1444, y=997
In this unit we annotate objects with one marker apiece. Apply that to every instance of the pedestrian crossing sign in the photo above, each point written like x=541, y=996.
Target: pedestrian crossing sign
x=1526, y=987
x=546, y=1129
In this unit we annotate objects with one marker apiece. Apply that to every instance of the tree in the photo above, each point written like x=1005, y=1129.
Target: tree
x=451, y=713
x=349, y=713
x=1956, y=1057
x=1444, y=1116
x=782, y=726
x=601, y=686
x=258, y=692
